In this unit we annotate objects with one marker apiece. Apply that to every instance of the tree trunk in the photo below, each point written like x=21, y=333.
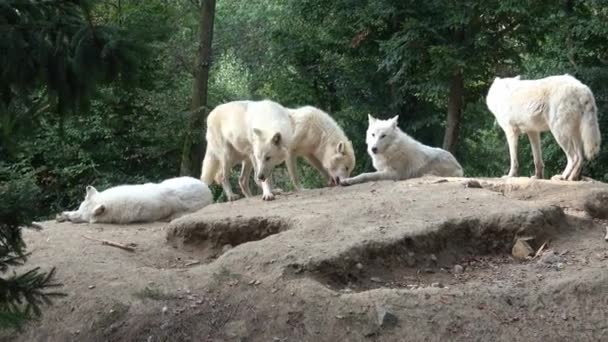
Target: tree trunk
x=192, y=154
x=455, y=104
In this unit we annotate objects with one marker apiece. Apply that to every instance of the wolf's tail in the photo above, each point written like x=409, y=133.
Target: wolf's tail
x=211, y=168
x=590, y=131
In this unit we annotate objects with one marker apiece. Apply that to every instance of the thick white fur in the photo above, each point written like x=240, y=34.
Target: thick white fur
x=141, y=203
x=397, y=156
x=256, y=133
x=320, y=140
x=561, y=104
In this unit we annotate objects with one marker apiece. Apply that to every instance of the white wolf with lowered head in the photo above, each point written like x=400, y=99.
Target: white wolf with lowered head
x=397, y=156
x=560, y=104
x=255, y=133
x=321, y=141
x=141, y=203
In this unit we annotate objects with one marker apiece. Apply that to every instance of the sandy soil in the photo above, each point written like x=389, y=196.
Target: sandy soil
x=420, y=260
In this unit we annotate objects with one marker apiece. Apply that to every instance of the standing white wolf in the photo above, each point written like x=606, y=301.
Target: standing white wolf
x=561, y=104
x=142, y=202
x=321, y=141
x=397, y=156
x=255, y=132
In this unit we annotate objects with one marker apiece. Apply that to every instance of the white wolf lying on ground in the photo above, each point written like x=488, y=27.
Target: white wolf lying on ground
x=141, y=203
x=321, y=141
x=257, y=133
x=398, y=156
x=561, y=104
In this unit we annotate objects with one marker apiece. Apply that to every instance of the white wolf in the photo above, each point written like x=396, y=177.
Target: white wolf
x=321, y=141
x=561, y=104
x=141, y=203
x=398, y=156
x=257, y=133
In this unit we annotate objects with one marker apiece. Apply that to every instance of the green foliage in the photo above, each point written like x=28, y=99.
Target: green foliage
x=21, y=296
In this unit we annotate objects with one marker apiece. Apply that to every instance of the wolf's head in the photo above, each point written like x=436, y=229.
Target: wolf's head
x=90, y=209
x=380, y=134
x=340, y=161
x=269, y=150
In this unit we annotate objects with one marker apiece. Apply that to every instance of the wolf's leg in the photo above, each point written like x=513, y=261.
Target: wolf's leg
x=293, y=171
x=227, y=163
x=312, y=160
x=578, y=157
x=267, y=194
x=246, y=168
x=370, y=177
x=569, y=140
x=537, y=154
x=512, y=139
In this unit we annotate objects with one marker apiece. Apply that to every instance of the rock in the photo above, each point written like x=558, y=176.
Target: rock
x=386, y=318
x=438, y=285
x=458, y=269
x=359, y=266
x=433, y=258
x=521, y=250
x=91, y=287
x=550, y=257
x=472, y=183
x=226, y=248
x=597, y=204
x=376, y=279
x=559, y=266
x=165, y=309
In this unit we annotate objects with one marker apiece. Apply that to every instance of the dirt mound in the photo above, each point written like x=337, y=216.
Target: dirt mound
x=425, y=259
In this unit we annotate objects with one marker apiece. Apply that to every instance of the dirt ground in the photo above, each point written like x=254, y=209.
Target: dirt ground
x=419, y=260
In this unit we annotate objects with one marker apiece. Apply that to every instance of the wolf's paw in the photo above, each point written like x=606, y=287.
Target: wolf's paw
x=268, y=197
x=346, y=182
x=232, y=197
x=61, y=217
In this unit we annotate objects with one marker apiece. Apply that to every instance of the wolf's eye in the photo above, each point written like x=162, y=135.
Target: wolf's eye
x=347, y=168
x=373, y=135
x=383, y=136
x=267, y=158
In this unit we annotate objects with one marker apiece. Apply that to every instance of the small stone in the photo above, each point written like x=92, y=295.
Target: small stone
x=257, y=282
x=376, y=279
x=165, y=309
x=251, y=282
x=226, y=248
x=359, y=266
x=339, y=317
x=521, y=250
x=273, y=290
x=458, y=269
x=559, y=266
x=91, y=287
x=433, y=258
x=385, y=318
x=438, y=285
x=565, y=316
x=248, y=267
x=550, y=257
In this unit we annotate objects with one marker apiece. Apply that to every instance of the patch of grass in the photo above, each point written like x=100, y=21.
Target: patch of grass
x=154, y=294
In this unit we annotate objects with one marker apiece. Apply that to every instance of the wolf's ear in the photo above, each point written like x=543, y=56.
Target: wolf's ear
x=340, y=147
x=276, y=139
x=258, y=132
x=517, y=77
x=394, y=121
x=91, y=191
x=371, y=119
x=99, y=210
